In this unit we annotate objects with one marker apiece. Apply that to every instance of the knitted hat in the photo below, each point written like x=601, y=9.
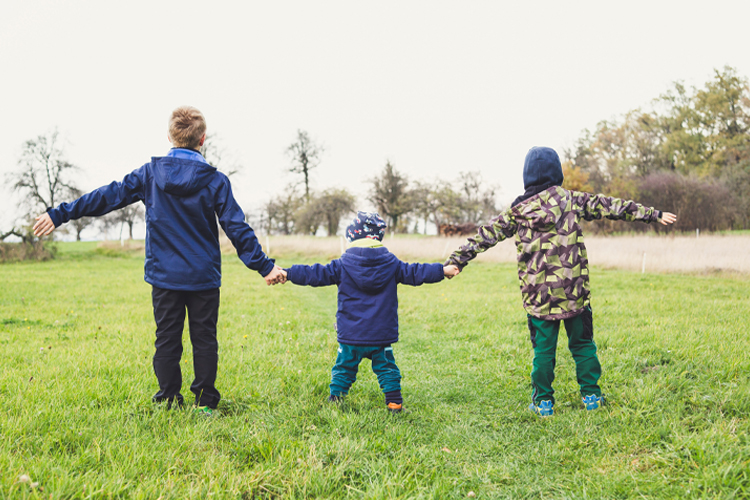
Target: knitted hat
x=366, y=225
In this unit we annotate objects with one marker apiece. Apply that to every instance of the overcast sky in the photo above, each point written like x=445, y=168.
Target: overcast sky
x=435, y=87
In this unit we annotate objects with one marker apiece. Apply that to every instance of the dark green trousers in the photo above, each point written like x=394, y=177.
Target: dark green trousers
x=344, y=372
x=580, y=332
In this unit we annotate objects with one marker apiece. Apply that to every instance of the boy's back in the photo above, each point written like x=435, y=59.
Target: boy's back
x=367, y=279
x=552, y=259
x=183, y=196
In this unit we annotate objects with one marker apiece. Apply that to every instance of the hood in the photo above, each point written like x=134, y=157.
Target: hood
x=371, y=269
x=181, y=177
x=543, y=211
x=541, y=170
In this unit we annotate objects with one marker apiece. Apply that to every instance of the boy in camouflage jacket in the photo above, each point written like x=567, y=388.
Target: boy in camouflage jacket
x=553, y=268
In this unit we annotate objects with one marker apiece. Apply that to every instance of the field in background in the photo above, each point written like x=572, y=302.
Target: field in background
x=76, y=339
x=674, y=254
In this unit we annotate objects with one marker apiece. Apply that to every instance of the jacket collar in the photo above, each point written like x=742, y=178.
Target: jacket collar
x=186, y=154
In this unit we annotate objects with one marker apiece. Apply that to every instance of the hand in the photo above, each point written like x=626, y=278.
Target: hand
x=450, y=271
x=667, y=218
x=277, y=275
x=43, y=225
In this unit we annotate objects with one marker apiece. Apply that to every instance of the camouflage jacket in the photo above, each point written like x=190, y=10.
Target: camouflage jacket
x=552, y=261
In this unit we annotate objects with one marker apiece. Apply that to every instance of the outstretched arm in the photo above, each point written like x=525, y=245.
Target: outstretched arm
x=596, y=206
x=501, y=227
x=418, y=274
x=242, y=236
x=98, y=202
x=315, y=275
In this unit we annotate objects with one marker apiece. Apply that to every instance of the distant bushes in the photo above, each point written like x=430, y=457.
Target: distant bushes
x=36, y=250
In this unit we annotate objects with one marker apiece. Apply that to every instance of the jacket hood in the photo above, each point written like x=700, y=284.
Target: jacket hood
x=541, y=170
x=538, y=213
x=542, y=167
x=181, y=177
x=371, y=269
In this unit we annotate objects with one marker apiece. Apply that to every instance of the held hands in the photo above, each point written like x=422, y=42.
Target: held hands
x=667, y=218
x=276, y=276
x=450, y=271
x=43, y=225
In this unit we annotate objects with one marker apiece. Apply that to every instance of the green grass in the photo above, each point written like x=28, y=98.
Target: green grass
x=76, y=340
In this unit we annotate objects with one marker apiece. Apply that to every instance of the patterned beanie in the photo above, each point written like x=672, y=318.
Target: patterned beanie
x=366, y=225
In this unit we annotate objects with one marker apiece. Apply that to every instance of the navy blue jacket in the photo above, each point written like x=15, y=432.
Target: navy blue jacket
x=183, y=196
x=368, y=302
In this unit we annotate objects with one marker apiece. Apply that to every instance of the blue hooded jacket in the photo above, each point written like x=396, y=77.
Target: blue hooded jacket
x=367, y=299
x=183, y=196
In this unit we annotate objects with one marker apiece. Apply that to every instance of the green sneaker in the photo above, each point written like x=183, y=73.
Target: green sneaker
x=203, y=411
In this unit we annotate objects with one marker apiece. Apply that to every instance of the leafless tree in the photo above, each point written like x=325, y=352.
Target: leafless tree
x=217, y=155
x=42, y=177
x=305, y=155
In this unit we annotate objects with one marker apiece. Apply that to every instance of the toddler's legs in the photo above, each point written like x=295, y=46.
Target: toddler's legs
x=344, y=372
x=203, y=312
x=544, y=340
x=389, y=376
x=169, y=313
x=580, y=332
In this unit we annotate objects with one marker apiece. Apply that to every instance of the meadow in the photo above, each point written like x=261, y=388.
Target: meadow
x=76, y=340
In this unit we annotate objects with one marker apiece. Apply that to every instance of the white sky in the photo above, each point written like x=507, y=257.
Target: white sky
x=436, y=87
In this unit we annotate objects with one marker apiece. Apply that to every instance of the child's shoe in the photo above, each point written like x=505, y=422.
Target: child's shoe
x=394, y=407
x=592, y=402
x=545, y=408
x=335, y=399
x=203, y=411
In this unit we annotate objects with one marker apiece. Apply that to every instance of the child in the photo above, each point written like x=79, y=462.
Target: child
x=183, y=196
x=367, y=317
x=553, y=268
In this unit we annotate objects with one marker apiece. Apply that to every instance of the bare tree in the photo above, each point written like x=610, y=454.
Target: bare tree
x=477, y=201
x=335, y=204
x=305, y=155
x=42, y=177
x=79, y=225
x=217, y=155
x=129, y=216
x=390, y=193
x=280, y=211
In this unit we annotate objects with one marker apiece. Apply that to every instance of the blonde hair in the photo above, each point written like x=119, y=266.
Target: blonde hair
x=186, y=127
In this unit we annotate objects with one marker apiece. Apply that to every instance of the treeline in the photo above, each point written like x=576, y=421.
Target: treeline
x=406, y=206
x=688, y=153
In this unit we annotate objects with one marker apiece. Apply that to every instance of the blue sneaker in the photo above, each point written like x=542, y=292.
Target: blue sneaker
x=592, y=402
x=544, y=409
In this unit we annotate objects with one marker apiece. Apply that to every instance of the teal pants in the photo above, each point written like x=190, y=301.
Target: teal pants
x=580, y=332
x=344, y=372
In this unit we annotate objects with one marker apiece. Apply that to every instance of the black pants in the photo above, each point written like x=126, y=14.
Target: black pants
x=169, y=313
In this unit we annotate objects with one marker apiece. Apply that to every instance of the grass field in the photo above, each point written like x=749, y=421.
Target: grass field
x=76, y=340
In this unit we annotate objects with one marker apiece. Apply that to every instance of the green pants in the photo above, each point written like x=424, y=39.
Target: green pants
x=580, y=330
x=344, y=372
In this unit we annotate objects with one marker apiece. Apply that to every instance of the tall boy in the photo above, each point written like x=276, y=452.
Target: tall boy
x=553, y=268
x=367, y=275
x=183, y=196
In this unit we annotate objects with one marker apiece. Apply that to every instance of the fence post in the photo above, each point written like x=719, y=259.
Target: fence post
x=268, y=245
x=643, y=264
x=341, y=243
x=697, y=233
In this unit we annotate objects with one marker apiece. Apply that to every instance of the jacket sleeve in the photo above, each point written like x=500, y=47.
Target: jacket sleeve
x=102, y=200
x=242, y=236
x=418, y=274
x=315, y=275
x=501, y=227
x=596, y=206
